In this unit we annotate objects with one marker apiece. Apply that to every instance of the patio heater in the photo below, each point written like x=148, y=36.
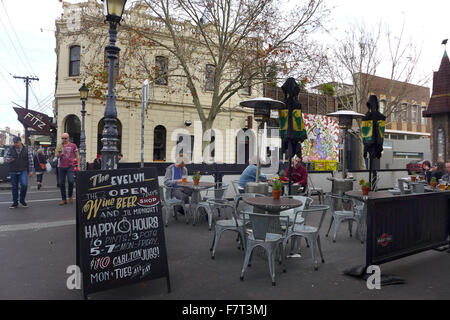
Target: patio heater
x=345, y=118
x=265, y=104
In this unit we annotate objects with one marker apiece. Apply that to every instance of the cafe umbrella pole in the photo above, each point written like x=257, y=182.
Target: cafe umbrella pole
x=261, y=103
x=292, y=137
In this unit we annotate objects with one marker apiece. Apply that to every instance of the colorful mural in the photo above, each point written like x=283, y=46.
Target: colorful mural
x=323, y=138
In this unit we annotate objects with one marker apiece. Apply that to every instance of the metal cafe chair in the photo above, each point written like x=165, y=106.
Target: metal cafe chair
x=313, y=191
x=310, y=233
x=234, y=224
x=259, y=236
x=238, y=189
x=306, y=202
x=169, y=203
x=209, y=205
x=342, y=215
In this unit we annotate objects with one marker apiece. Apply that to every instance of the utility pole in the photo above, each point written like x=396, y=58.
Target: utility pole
x=145, y=89
x=27, y=83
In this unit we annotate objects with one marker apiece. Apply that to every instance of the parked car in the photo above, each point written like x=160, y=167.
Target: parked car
x=415, y=166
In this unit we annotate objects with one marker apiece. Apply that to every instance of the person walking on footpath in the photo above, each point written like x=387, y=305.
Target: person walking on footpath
x=40, y=168
x=66, y=153
x=21, y=165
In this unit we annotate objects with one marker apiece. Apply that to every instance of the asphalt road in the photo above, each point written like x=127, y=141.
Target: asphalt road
x=37, y=244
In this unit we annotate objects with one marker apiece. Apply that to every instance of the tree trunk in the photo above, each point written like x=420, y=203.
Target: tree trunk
x=206, y=139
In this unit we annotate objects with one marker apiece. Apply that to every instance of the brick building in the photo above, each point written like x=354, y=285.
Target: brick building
x=439, y=111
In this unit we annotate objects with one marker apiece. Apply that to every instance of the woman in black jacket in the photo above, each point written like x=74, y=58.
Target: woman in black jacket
x=40, y=160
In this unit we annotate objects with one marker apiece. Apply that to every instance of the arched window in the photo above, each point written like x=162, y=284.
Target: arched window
x=72, y=125
x=159, y=143
x=101, y=126
x=74, y=64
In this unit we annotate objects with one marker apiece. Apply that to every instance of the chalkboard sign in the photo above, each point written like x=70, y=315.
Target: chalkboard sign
x=120, y=231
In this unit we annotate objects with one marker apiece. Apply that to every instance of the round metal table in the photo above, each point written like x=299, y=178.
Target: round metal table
x=195, y=197
x=273, y=206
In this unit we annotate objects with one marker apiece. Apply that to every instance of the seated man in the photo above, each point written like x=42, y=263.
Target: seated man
x=299, y=175
x=173, y=176
x=249, y=175
x=446, y=176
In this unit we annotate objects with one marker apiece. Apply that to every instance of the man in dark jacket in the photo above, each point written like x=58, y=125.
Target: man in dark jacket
x=21, y=166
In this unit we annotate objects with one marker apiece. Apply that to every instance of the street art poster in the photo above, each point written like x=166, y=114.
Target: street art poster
x=323, y=138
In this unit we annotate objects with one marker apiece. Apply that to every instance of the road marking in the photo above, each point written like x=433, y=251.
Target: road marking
x=32, y=226
x=29, y=201
x=28, y=192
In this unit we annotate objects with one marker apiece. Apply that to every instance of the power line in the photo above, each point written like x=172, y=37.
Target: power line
x=18, y=40
x=12, y=43
x=20, y=44
x=6, y=81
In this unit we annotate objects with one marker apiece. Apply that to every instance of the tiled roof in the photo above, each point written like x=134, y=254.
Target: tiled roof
x=440, y=98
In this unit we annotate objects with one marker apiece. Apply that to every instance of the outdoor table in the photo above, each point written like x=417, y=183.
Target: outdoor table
x=195, y=197
x=403, y=225
x=273, y=206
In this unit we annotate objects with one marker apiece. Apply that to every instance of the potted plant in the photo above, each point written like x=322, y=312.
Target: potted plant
x=365, y=187
x=276, y=188
x=433, y=182
x=196, y=178
x=413, y=176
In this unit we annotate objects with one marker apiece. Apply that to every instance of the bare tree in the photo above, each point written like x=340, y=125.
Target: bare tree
x=238, y=39
x=357, y=59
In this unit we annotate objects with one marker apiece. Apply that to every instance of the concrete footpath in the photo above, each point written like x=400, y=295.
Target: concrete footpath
x=37, y=245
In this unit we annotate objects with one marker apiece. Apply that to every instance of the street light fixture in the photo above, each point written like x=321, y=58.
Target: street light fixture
x=114, y=9
x=84, y=91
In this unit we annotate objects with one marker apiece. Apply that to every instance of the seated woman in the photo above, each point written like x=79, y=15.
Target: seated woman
x=426, y=166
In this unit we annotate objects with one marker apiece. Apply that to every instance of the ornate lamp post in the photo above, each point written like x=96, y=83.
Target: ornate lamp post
x=84, y=91
x=114, y=9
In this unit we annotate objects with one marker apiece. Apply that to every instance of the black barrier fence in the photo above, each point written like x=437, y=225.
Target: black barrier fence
x=400, y=226
x=218, y=170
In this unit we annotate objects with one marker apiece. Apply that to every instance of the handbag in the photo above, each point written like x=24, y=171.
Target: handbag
x=42, y=165
x=48, y=167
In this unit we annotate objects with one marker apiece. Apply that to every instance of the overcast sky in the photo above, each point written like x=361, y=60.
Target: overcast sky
x=27, y=43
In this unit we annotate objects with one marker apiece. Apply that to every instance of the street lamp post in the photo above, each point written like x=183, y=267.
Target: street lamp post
x=84, y=91
x=109, y=151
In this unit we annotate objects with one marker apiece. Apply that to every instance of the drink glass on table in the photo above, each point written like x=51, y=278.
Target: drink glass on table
x=183, y=179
